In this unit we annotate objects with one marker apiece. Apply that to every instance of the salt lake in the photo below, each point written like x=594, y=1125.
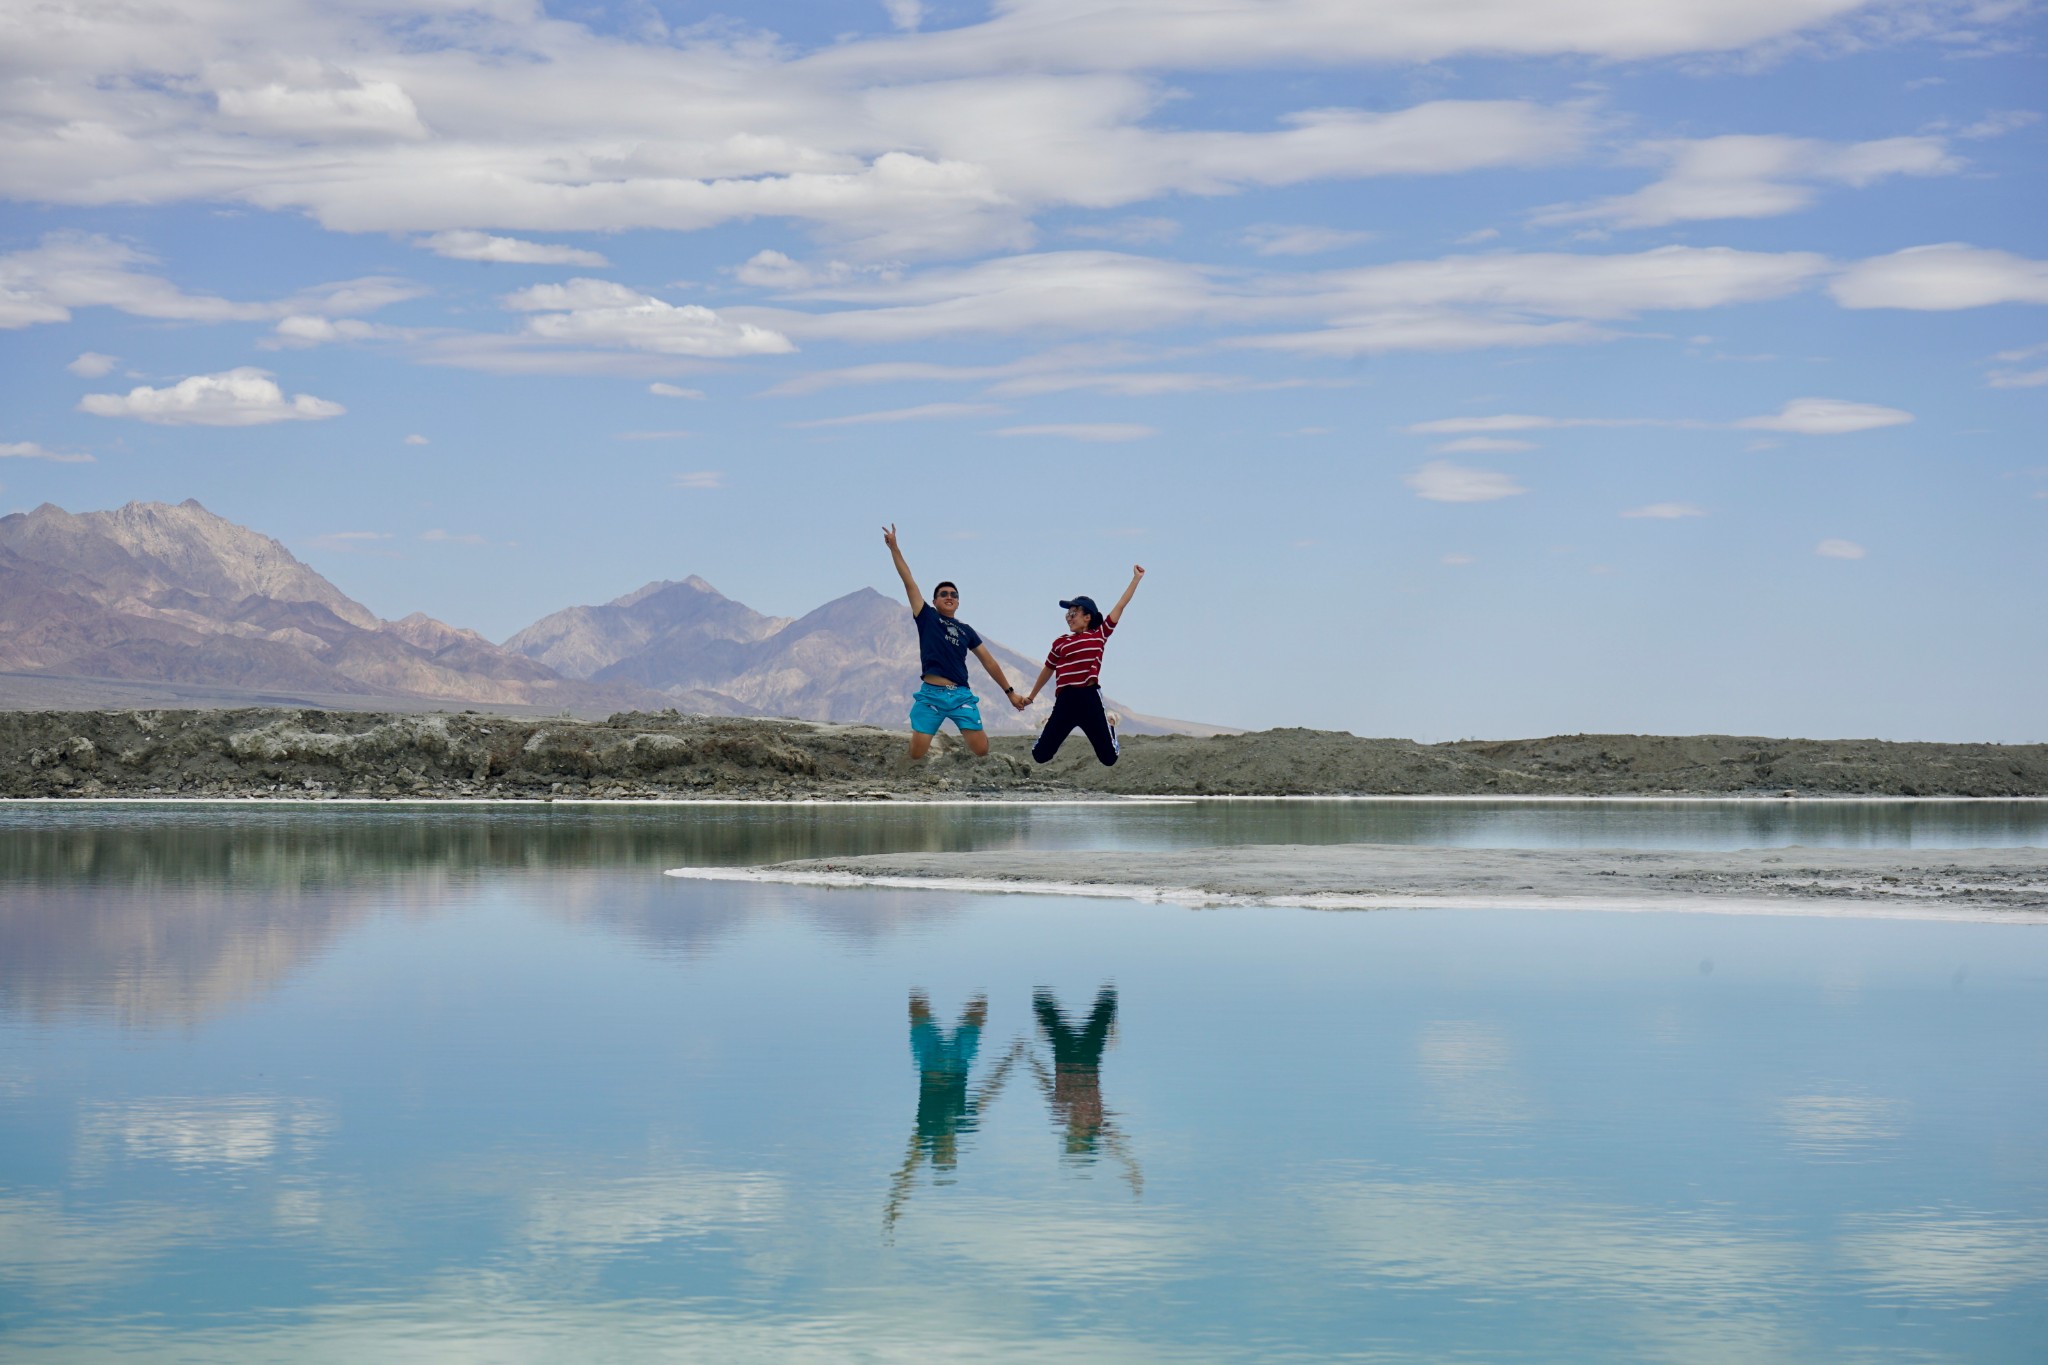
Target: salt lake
x=425, y=1081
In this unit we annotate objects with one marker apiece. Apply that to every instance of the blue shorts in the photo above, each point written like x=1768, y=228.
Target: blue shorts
x=933, y=706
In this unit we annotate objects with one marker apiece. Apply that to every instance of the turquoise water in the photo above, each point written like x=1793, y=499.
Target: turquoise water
x=406, y=1083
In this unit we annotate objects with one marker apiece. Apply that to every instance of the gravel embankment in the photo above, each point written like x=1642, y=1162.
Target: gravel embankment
x=292, y=753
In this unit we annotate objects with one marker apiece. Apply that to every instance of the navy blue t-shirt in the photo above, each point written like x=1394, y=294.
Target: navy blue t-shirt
x=943, y=644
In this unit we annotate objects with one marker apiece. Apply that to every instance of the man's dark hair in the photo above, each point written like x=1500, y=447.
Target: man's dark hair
x=946, y=583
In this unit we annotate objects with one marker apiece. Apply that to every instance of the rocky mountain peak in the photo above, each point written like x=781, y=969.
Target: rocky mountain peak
x=147, y=550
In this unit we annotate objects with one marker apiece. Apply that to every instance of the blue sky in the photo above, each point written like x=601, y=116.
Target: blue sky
x=1522, y=368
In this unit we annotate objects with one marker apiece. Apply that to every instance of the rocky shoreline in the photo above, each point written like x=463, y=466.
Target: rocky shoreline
x=302, y=754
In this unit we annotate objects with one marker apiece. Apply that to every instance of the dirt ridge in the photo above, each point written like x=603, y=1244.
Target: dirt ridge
x=277, y=752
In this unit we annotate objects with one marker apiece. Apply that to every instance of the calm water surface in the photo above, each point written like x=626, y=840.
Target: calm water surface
x=419, y=1082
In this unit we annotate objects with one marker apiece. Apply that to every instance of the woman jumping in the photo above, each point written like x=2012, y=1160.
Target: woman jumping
x=1076, y=659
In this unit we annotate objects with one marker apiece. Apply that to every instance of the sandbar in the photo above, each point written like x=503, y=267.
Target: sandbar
x=2005, y=885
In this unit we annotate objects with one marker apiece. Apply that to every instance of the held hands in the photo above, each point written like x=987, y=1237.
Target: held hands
x=1018, y=699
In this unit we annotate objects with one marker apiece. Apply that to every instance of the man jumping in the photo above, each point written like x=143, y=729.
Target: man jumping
x=943, y=641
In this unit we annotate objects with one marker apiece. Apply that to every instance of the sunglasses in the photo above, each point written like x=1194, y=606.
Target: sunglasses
x=947, y=593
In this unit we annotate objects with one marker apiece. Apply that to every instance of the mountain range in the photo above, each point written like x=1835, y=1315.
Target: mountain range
x=199, y=610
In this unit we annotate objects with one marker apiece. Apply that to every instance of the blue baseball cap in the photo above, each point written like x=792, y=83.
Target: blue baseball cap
x=1086, y=604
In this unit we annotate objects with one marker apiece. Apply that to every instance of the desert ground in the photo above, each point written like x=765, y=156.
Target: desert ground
x=275, y=752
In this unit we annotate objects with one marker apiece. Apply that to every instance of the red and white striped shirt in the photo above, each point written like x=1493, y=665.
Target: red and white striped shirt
x=1077, y=658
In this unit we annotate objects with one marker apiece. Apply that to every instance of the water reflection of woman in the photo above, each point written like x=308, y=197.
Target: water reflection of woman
x=1073, y=1088
x=946, y=1108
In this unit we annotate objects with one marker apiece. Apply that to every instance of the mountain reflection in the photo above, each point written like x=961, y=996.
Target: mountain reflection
x=252, y=844
x=148, y=915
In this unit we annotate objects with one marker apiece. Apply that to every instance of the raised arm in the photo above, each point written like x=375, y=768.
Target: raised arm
x=910, y=587
x=1116, y=613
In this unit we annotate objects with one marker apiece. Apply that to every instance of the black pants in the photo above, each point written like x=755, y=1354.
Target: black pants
x=1076, y=708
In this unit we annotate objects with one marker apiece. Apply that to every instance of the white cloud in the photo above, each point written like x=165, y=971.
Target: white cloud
x=905, y=14
x=466, y=244
x=2016, y=379
x=92, y=365
x=1280, y=239
x=1839, y=549
x=1468, y=302
x=416, y=440
x=1080, y=140
x=73, y=270
x=1077, y=355
x=774, y=270
x=1753, y=177
x=1999, y=122
x=242, y=397
x=1559, y=284
x=439, y=536
x=1137, y=231
x=1515, y=421
x=1482, y=445
x=70, y=270
x=1435, y=331
x=1458, y=561
x=923, y=412
x=574, y=294
x=1233, y=34
x=1140, y=383
x=525, y=354
x=1084, y=431
x=1827, y=417
x=1450, y=303
x=585, y=312
x=1942, y=277
x=438, y=142
x=311, y=99
x=31, y=450
x=661, y=390
x=345, y=297
x=1442, y=481
x=910, y=142
x=1801, y=416
x=301, y=330
x=1667, y=511
x=1089, y=291
x=699, y=479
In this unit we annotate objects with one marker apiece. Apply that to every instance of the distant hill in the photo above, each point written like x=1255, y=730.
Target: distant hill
x=176, y=595
x=154, y=605
x=682, y=633
x=855, y=659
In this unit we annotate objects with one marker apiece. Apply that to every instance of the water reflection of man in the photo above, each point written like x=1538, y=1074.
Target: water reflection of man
x=946, y=1108
x=943, y=1105
x=1073, y=1089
